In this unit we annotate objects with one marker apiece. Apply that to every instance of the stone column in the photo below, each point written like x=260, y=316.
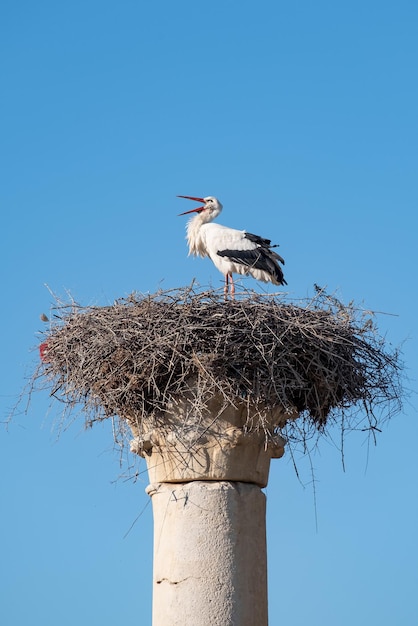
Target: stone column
x=210, y=566
x=206, y=475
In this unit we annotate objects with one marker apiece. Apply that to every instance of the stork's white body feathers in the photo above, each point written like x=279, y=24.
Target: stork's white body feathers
x=232, y=251
x=207, y=240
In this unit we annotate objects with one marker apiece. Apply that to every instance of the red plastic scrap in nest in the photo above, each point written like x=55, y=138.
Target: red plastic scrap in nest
x=43, y=352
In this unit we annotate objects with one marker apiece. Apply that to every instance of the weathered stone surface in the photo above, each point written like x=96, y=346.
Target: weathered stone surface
x=209, y=554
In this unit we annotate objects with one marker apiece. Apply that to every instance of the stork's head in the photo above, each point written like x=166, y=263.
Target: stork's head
x=210, y=209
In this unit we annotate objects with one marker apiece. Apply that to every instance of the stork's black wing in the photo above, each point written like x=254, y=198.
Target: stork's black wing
x=261, y=257
x=266, y=244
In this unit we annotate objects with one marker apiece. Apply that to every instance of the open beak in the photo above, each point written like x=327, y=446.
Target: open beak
x=200, y=208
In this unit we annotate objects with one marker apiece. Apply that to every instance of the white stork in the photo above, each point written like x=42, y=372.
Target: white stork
x=232, y=251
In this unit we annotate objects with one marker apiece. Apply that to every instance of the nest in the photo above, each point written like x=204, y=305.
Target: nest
x=320, y=358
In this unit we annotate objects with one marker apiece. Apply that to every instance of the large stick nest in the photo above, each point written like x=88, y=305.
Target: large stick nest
x=320, y=357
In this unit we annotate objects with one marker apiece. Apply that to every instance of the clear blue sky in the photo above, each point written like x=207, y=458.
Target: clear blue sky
x=302, y=118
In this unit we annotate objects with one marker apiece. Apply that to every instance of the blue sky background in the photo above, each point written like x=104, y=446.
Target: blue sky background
x=302, y=118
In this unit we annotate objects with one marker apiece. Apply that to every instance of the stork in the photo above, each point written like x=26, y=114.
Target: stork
x=232, y=251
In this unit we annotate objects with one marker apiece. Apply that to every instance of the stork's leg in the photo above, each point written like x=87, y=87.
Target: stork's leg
x=232, y=290
x=226, y=286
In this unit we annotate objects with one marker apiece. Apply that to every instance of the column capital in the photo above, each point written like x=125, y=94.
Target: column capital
x=218, y=443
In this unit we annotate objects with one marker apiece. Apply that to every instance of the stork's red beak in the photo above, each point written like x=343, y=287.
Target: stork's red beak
x=199, y=208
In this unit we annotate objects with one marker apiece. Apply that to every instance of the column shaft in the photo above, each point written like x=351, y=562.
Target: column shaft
x=210, y=564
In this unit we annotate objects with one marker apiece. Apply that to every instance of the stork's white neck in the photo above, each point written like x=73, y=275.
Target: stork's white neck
x=194, y=234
